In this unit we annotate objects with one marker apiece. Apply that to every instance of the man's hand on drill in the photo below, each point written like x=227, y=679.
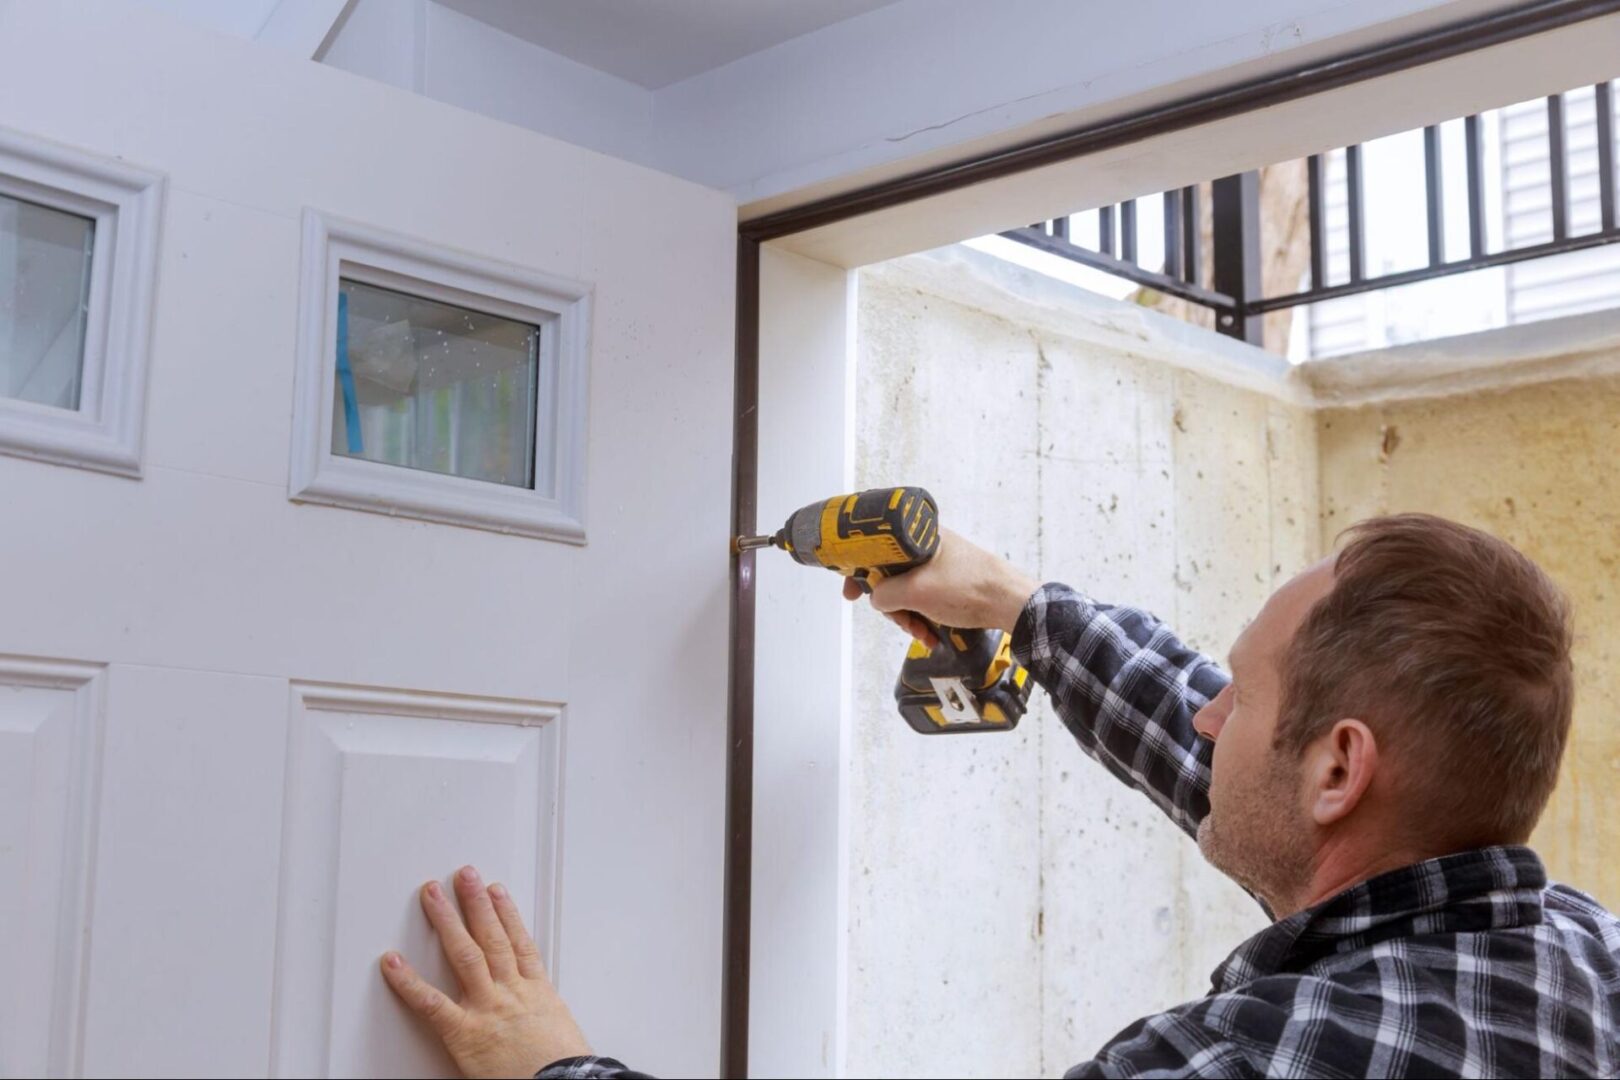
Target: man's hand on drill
x=509, y=1021
x=963, y=586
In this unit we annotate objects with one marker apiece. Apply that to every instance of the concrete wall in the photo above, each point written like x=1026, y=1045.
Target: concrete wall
x=1533, y=465
x=1011, y=905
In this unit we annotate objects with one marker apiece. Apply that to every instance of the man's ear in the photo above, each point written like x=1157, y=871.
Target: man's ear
x=1339, y=768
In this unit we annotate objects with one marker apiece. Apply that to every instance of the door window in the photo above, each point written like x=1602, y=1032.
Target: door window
x=428, y=385
x=44, y=299
x=439, y=384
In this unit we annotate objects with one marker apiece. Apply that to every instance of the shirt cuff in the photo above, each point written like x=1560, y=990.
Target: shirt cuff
x=589, y=1067
x=1051, y=621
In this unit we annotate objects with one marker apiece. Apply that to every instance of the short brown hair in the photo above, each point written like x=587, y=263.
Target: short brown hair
x=1454, y=648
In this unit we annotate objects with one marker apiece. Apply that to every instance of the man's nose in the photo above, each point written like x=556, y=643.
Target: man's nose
x=1209, y=720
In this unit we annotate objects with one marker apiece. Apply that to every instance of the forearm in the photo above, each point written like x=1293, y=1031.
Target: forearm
x=1127, y=689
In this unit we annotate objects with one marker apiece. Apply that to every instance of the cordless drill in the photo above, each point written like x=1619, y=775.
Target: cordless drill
x=970, y=681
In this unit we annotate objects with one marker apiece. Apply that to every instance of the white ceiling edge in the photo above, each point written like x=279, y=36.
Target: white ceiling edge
x=914, y=82
x=895, y=91
x=654, y=43
x=891, y=91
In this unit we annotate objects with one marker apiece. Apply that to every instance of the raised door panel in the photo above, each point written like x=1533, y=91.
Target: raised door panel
x=49, y=730
x=386, y=789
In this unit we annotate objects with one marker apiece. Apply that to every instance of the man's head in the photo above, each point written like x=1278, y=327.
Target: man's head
x=1408, y=698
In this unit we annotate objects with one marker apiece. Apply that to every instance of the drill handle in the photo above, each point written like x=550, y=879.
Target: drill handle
x=942, y=633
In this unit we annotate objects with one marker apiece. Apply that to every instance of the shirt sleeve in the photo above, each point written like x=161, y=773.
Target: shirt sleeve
x=590, y=1067
x=1127, y=689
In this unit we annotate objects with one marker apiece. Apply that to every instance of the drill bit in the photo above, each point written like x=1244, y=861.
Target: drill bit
x=750, y=543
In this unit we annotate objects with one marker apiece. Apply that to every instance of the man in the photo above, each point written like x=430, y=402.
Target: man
x=1389, y=734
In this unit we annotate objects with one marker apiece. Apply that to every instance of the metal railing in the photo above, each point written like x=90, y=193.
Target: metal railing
x=1236, y=296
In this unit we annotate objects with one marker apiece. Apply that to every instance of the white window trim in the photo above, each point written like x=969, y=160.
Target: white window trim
x=126, y=203
x=555, y=508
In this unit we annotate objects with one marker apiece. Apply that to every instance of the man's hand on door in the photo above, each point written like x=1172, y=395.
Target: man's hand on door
x=509, y=1021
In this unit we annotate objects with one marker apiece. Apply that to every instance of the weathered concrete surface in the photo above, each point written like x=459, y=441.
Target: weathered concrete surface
x=945, y=859
x=1012, y=905
x=1535, y=466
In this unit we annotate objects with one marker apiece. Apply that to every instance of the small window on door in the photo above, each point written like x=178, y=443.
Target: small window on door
x=44, y=300
x=78, y=262
x=424, y=384
x=439, y=384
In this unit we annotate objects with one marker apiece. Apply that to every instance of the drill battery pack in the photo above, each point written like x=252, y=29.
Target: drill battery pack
x=970, y=682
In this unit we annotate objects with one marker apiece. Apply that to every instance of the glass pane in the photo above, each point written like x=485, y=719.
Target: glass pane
x=44, y=298
x=433, y=386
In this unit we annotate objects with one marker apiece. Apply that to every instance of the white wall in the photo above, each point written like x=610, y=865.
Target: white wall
x=882, y=91
x=189, y=560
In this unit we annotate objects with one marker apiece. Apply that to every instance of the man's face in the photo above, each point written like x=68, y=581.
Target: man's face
x=1257, y=830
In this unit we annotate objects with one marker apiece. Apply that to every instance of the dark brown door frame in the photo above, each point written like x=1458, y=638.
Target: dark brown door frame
x=1377, y=60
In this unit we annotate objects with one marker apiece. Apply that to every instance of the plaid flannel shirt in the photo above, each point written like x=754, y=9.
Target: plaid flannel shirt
x=1467, y=965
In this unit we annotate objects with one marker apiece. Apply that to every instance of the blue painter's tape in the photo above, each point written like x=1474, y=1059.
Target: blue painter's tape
x=351, y=405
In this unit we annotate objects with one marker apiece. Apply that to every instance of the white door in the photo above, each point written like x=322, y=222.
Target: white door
x=239, y=729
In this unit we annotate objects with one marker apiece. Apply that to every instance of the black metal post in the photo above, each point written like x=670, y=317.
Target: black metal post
x=1192, y=233
x=1173, y=262
x=739, y=852
x=1316, y=214
x=1127, y=230
x=1605, y=137
x=1476, y=186
x=1559, y=174
x=1357, y=207
x=1432, y=182
x=1105, y=230
x=1237, y=253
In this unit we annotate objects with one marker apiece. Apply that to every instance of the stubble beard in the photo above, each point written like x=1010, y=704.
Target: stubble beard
x=1259, y=837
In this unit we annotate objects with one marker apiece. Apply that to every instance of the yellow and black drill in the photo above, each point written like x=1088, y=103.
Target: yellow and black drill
x=970, y=682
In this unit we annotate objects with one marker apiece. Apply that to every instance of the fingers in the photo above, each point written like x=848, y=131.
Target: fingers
x=484, y=925
x=920, y=628
x=915, y=625
x=465, y=956
x=852, y=591
x=524, y=952
x=893, y=594
x=420, y=996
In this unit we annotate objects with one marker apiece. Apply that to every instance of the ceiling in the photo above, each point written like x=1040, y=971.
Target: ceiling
x=658, y=42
